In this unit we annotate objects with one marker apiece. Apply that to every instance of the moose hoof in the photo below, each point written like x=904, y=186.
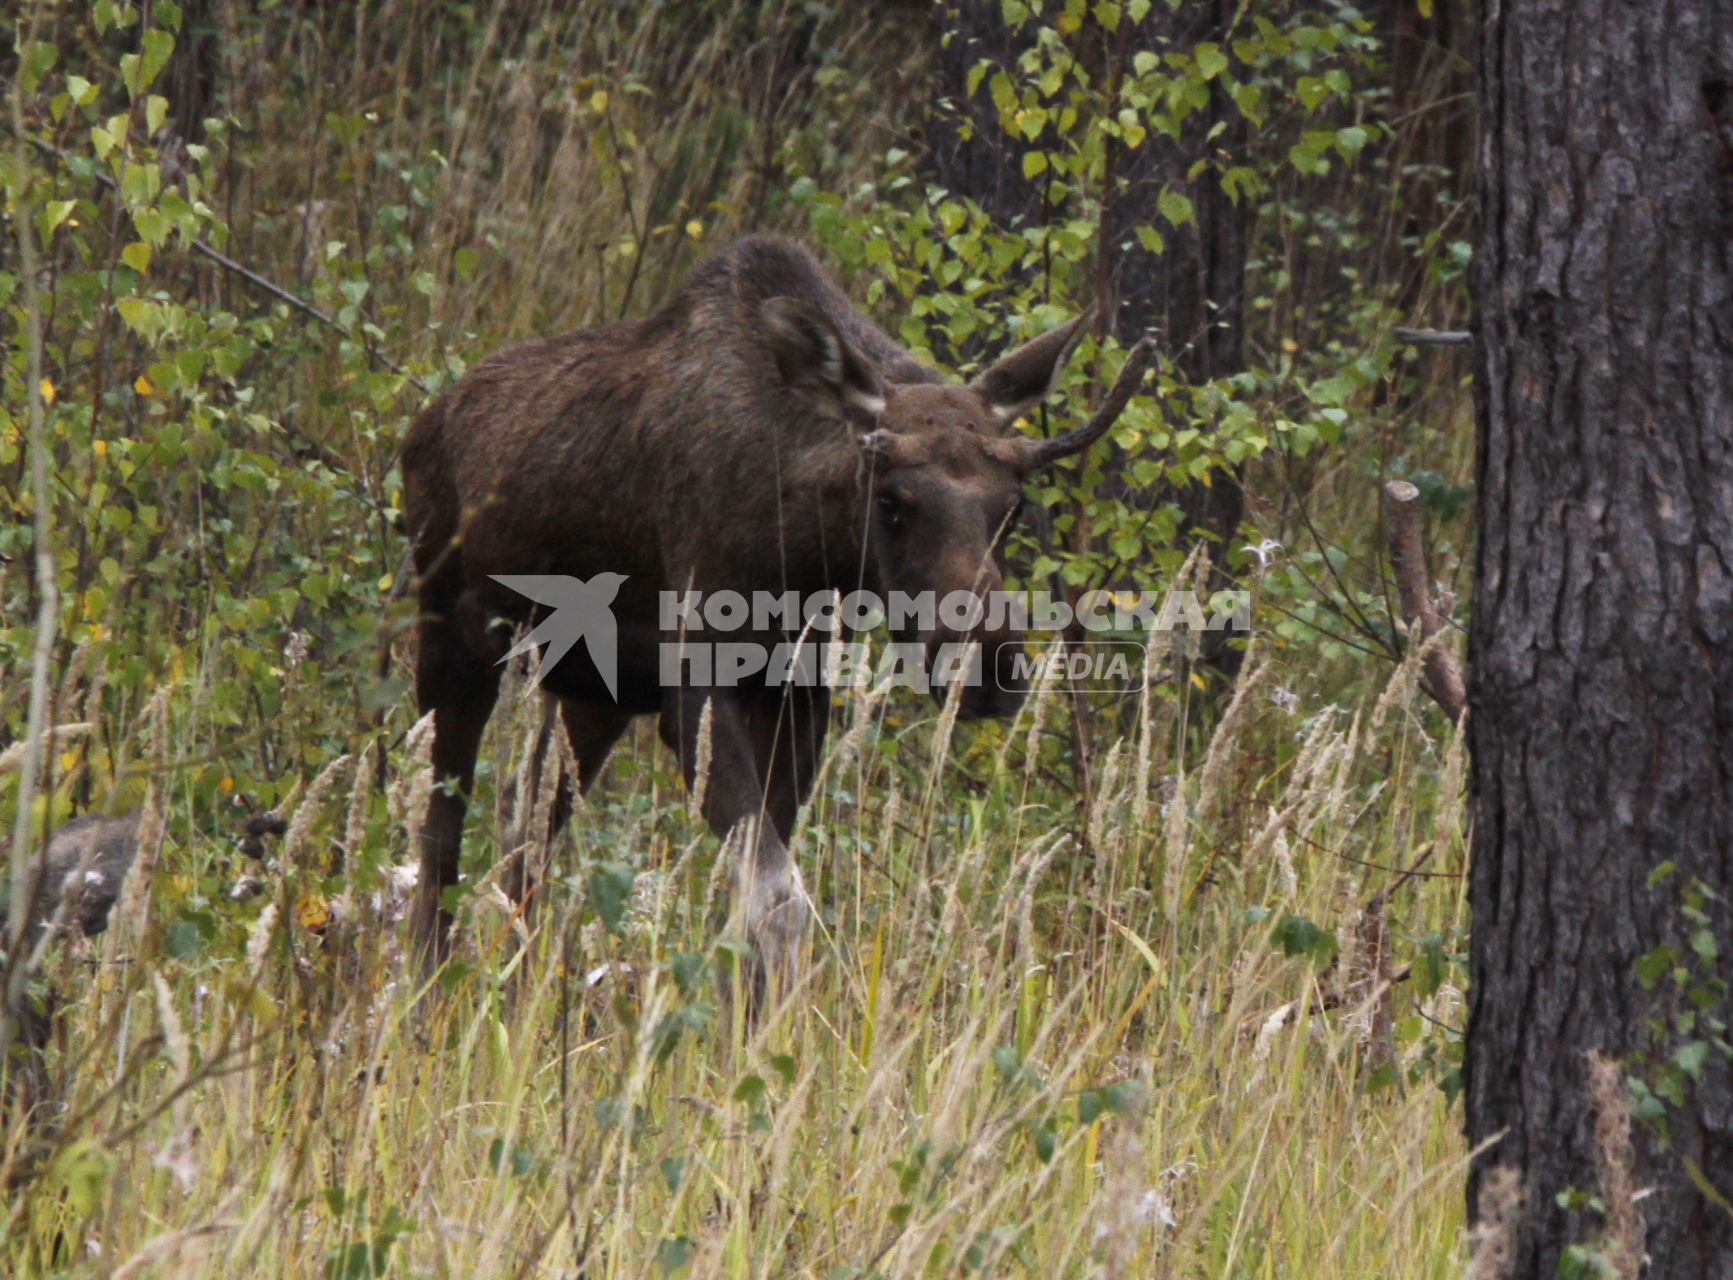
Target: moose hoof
x=776, y=912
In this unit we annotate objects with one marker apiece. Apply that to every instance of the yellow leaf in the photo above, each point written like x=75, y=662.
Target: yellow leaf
x=67, y=760
x=385, y=582
x=99, y=448
x=695, y=229
x=226, y=783
x=599, y=100
x=137, y=256
x=142, y=385
x=47, y=389
x=1197, y=680
x=312, y=911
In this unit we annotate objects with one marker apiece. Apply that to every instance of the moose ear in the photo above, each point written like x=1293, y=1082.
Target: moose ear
x=813, y=355
x=1027, y=376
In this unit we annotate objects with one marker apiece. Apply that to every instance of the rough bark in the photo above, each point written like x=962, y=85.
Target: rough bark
x=1193, y=292
x=971, y=153
x=1601, y=653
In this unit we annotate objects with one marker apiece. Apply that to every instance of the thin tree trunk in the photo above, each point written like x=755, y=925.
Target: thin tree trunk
x=1193, y=292
x=1601, y=689
x=971, y=153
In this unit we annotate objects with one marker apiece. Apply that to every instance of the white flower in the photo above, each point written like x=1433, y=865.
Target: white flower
x=1152, y=1206
x=1265, y=551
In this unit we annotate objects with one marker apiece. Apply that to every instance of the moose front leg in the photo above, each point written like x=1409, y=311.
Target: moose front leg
x=773, y=903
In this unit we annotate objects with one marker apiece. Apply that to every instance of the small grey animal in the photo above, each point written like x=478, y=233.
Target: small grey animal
x=110, y=844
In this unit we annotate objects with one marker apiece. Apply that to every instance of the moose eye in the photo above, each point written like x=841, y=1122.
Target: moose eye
x=891, y=509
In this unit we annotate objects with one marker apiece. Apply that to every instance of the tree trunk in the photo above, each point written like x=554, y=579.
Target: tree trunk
x=971, y=154
x=1193, y=292
x=1601, y=695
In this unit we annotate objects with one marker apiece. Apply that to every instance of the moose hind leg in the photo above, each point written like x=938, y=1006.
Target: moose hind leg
x=459, y=689
x=591, y=730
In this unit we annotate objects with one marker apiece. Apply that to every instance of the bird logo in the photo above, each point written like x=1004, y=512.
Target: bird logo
x=582, y=610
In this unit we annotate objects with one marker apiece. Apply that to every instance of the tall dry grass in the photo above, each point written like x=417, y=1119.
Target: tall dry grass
x=1009, y=1056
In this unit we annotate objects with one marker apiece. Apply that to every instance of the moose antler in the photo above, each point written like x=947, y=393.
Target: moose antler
x=1041, y=453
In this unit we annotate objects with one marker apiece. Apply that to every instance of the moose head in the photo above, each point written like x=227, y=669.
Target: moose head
x=941, y=471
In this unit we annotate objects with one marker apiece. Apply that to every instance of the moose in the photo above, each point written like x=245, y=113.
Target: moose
x=756, y=434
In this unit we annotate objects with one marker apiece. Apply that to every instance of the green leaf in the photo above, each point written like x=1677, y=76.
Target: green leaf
x=82, y=1169
x=1034, y=164
x=139, y=314
x=56, y=212
x=1175, y=207
x=183, y=939
x=1692, y=1058
x=673, y=1168
x=141, y=69
x=610, y=891
x=39, y=58
x=137, y=256
x=1298, y=936
x=345, y=128
x=153, y=227
x=750, y=1090
x=1045, y=1140
x=1350, y=140
x=520, y=1159
x=1211, y=61
x=673, y=1253
x=1652, y=966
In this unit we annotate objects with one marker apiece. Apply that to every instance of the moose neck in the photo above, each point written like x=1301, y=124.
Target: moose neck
x=831, y=532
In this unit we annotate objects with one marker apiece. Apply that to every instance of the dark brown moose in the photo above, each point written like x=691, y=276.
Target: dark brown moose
x=754, y=435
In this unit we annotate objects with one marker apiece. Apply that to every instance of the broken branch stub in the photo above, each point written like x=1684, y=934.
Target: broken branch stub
x=1440, y=675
